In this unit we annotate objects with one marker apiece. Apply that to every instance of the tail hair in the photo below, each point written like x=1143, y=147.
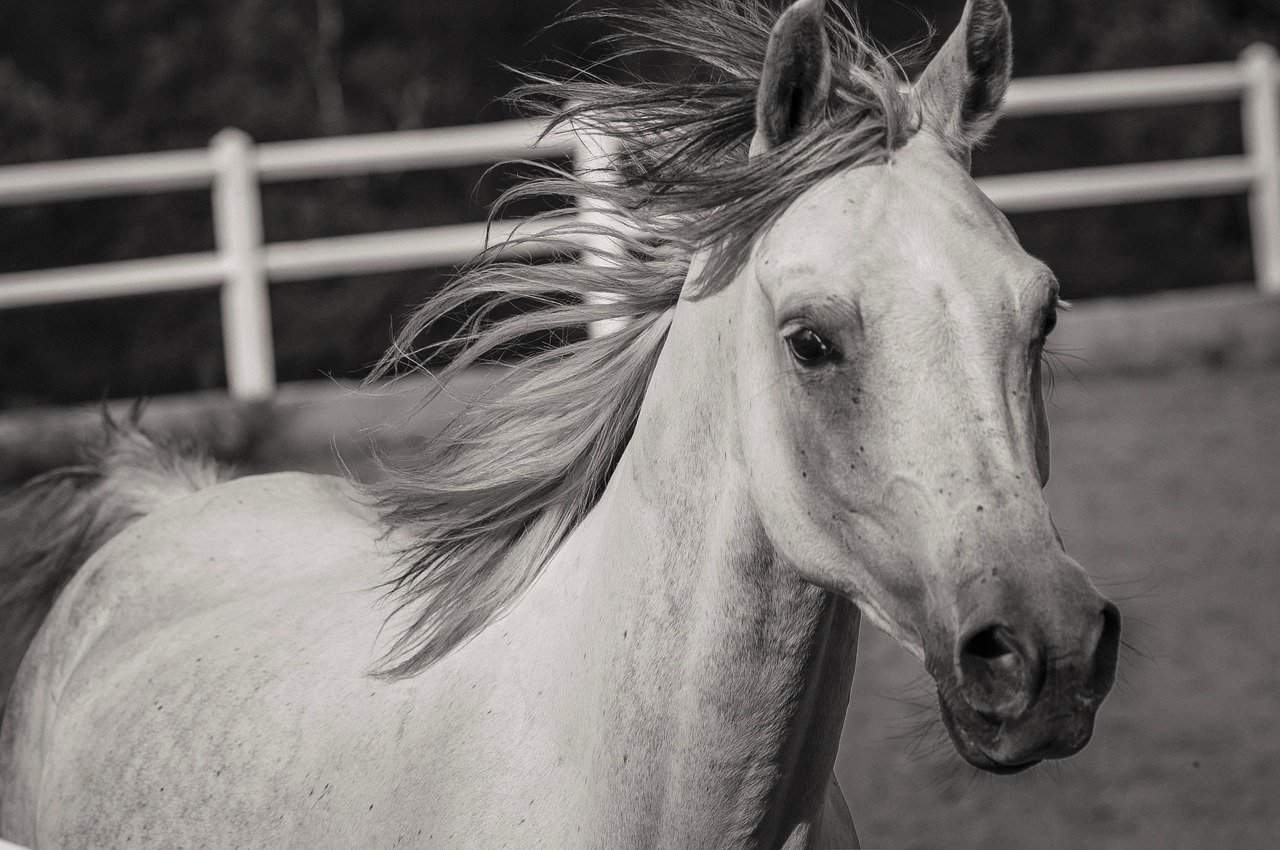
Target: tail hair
x=50, y=526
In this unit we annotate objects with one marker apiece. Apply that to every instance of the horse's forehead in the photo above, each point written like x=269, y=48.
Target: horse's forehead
x=918, y=220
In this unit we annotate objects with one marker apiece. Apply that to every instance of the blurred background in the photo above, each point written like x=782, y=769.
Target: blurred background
x=82, y=79
x=1165, y=463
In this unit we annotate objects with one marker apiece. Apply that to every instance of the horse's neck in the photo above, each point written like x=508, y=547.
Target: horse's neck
x=721, y=677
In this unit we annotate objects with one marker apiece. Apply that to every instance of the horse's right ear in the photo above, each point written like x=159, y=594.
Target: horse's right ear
x=796, y=79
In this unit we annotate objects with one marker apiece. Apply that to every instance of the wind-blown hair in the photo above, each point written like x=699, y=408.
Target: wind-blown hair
x=500, y=488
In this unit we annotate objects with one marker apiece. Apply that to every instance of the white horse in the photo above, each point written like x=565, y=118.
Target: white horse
x=625, y=588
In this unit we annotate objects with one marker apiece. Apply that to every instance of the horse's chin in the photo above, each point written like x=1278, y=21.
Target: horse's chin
x=1005, y=769
x=984, y=744
x=986, y=763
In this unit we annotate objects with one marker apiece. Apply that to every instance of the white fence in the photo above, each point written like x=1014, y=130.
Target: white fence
x=244, y=264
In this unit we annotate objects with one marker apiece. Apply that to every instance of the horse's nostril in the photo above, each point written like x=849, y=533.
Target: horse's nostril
x=1107, y=650
x=997, y=676
x=988, y=644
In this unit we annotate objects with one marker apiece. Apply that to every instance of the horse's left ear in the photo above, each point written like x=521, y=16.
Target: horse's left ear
x=796, y=79
x=961, y=91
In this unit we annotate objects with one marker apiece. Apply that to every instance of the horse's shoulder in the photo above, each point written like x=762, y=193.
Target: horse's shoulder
x=266, y=524
x=248, y=541
x=228, y=559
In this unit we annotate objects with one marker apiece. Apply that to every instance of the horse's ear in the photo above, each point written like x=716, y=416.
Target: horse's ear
x=796, y=79
x=961, y=91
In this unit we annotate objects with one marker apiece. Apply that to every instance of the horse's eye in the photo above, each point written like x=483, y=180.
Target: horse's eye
x=807, y=347
x=1050, y=321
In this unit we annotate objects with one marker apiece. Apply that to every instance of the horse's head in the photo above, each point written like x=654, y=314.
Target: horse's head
x=893, y=422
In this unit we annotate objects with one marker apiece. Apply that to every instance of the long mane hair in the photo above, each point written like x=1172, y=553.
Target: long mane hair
x=494, y=495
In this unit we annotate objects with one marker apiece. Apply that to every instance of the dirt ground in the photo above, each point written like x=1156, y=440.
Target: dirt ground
x=1167, y=489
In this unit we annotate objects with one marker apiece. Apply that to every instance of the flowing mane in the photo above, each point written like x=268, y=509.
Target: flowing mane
x=499, y=489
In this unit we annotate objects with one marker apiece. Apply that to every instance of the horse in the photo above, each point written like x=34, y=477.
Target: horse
x=616, y=602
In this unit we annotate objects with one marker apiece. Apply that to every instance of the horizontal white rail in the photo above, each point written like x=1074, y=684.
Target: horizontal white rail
x=396, y=251
x=242, y=266
x=76, y=179
x=107, y=280
x=446, y=147
x=443, y=147
x=1147, y=87
x=284, y=261
x=1116, y=184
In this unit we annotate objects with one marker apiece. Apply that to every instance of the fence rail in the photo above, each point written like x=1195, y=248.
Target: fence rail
x=244, y=264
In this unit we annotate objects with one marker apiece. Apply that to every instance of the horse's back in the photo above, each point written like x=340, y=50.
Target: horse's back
x=206, y=666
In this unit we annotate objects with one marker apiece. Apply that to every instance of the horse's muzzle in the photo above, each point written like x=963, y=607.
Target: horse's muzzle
x=1011, y=699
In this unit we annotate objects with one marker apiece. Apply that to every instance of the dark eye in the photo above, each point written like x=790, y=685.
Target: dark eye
x=807, y=347
x=1049, y=322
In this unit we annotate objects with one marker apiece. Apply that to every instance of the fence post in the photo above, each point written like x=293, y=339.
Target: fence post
x=1262, y=144
x=246, y=306
x=593, y=162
